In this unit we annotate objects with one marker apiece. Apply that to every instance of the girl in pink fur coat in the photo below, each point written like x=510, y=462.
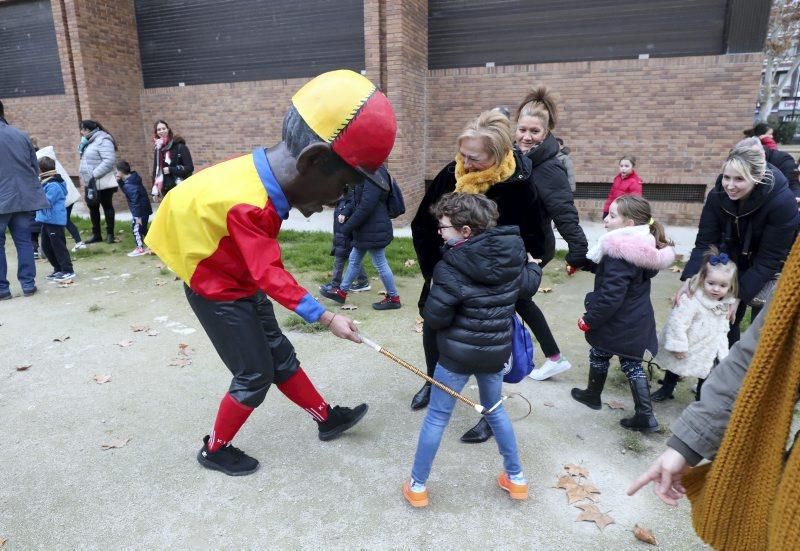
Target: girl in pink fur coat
x=619, y=319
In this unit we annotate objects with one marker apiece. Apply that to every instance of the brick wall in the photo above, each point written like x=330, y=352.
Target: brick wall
x=678, y=116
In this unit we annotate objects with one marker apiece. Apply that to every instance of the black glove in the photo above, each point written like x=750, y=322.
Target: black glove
x=92, y=196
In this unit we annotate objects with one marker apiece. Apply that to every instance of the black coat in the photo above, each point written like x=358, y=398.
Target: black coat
x=516, y=202
x=342, y=244
x=556, y=203
x=475, y=287
x=136, y=194
x=787, y=165
x=757, y=234
x=180, y=163
x=369, y=225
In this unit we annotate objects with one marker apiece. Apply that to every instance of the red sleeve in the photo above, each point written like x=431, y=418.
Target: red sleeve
x=255, y=233
x=635, y=186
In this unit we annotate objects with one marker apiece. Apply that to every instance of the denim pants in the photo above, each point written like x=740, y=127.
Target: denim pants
x=439, y=411
x=20, y=225
x=338, y=271
x=378, y=257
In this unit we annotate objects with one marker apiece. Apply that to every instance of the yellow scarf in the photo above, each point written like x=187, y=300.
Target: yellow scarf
x=747, y=498
x=480, y=182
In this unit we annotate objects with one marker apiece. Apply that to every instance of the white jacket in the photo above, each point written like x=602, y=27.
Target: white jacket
x=698, y=326
x=73, y=195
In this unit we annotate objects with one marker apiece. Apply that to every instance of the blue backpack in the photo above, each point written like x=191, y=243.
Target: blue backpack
x=394, y=202
x=520, y=364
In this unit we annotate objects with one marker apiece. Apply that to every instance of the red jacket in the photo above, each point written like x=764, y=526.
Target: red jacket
x=630, y=185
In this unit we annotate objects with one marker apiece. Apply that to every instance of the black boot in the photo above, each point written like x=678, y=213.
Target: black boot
x=421, y=398
x=643, y=420
x=479, y=433
x=667, y=387
x=591, y=396
x=95, y=238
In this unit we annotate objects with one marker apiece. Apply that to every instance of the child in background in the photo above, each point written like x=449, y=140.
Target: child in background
x=131, y=184
x=73, y=195
x=619, y=318
x=627, y=182
x=342, y=246
x=53, y=221
x=696, y=332
x=475, y=286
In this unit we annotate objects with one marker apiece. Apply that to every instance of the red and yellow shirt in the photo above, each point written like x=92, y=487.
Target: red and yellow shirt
x=218, y=231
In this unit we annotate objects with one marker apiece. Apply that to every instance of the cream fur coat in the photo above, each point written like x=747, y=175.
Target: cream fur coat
x=698, y=326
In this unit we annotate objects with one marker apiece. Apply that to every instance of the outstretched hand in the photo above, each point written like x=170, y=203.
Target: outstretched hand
x=341, y=326
x=684, y=290
x=666, y=473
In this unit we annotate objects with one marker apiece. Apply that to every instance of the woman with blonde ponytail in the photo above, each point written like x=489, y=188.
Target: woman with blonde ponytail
x=537, y=117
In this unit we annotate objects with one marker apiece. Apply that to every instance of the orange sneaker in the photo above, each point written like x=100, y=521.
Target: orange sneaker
x=516, y=491
x=416, y=499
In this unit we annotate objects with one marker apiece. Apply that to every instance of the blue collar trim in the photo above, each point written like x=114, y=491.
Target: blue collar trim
x=274, y=191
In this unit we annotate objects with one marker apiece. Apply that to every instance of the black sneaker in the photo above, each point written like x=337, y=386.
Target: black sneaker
x=111, y=239
x=29, y=292
x=229, y=460
x=53, y=276
x=5, y=296
x=335, y=294
x=360, y=286
x=93, y=239
x=339, y=420
x=64, y=276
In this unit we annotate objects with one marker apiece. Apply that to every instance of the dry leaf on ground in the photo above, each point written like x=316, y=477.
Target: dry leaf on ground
x=614, y=404
x=676, y=269
x=590, y=513
x=100, y=379
x=565, y=482
x=580, y=492
x=545, y=289
x=66, y=283
x=549, y=404
x=2, y=541
x=115, y=443
x=160, y=282
x=181, y=362
x=644, y=534
x=124, y=344
x=152, y=333
x=62, y=338
x=349, y=307
x=23, y=367
x=185, y=349
x=575, y=470
x=410, y=262
x=139, y=328
x=417, y=328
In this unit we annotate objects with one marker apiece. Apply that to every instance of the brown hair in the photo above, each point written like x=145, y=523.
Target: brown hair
x=46, y=164
x=637, y=209
x=627, y=157
x=697, y=281
x=467, y=209
x=494, y=129
x=542, y=104
x=155, y=126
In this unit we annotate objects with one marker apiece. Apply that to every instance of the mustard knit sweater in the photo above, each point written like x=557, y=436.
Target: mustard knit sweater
x=748, y=498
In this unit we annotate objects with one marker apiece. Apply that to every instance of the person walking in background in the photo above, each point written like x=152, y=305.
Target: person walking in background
x=367, y=222
x=565, y=159
x=138, y=203
x=777, y=158
x=98, y=152
x=341, y=248
x=73, y=195
x=21, y=195
x=626, y=182
x=172, y=161
x=53, y=220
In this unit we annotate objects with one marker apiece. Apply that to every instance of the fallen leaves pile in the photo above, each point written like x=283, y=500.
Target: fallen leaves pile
x=182, y=359
x=581, y=493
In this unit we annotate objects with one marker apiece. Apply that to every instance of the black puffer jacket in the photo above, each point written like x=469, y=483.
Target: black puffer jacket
x=342, y=244
x=556, y=202
x=516, y=202
x=475, y=287
x=787, y=165
x=757, y=234
x=180, y=163
x=369, y=225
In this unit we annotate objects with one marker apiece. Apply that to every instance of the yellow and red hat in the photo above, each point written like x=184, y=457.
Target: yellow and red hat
x=348, y=111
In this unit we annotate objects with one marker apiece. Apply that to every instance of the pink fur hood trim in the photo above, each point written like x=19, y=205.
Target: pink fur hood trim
x=634, y=244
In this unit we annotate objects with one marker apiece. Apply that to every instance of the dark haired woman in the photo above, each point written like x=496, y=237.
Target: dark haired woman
x=98, y=152
x=172, y=162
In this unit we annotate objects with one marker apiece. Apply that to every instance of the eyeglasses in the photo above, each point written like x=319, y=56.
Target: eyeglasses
x=445, y=227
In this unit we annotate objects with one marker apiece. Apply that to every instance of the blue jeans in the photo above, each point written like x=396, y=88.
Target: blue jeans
x=378, y=257
x=439, y=411
x=338, y=271
x=20, y=225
